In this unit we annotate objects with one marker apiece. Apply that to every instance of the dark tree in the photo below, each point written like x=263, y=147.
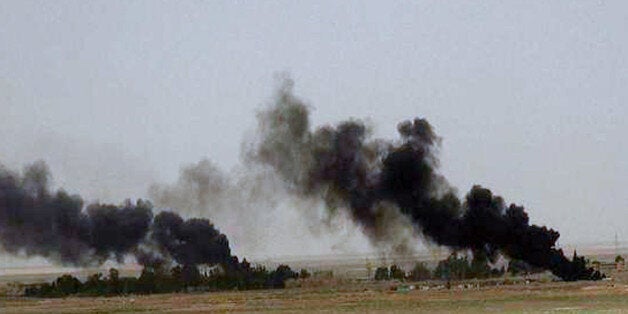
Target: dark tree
x=382, y=273
x=397, y=272
x=67, y=284
x=420, y=272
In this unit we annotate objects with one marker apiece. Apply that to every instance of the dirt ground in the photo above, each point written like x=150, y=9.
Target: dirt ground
x=358, y=297
x=331, y=295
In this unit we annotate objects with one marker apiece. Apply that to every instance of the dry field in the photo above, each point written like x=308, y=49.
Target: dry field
x=356, y=297
x=345, y=294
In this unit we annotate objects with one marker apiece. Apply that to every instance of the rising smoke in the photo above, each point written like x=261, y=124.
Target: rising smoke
x=391, y=189
x=34, y=221
x=341, y=165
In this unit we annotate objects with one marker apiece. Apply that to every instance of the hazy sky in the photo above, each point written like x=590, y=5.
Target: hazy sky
x=529, y=97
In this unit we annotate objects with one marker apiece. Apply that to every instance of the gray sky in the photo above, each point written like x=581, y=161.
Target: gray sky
x=529, y=97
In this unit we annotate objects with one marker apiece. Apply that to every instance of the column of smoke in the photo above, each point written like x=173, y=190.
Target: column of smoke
x=37, y=222
x=373, y=178
x=384, y=186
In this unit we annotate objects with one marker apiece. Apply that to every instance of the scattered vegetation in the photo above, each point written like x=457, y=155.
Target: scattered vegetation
x=243, y=276
x=163, y=280
x=453, y=268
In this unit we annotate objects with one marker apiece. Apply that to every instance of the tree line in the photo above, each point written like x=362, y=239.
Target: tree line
x=163, y=280
x=456, y=267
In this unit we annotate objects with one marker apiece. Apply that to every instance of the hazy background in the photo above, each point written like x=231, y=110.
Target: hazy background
x=529, y=97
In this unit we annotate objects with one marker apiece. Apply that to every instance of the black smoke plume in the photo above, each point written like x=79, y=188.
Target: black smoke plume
x=37, y=222
x=189, y=242
x=382, y=184
x=362, y=176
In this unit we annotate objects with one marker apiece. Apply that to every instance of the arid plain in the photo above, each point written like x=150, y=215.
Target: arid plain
x=348, y=293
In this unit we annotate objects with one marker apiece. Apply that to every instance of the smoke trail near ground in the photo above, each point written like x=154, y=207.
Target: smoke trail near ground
x=34, y=221
x=189, y=242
